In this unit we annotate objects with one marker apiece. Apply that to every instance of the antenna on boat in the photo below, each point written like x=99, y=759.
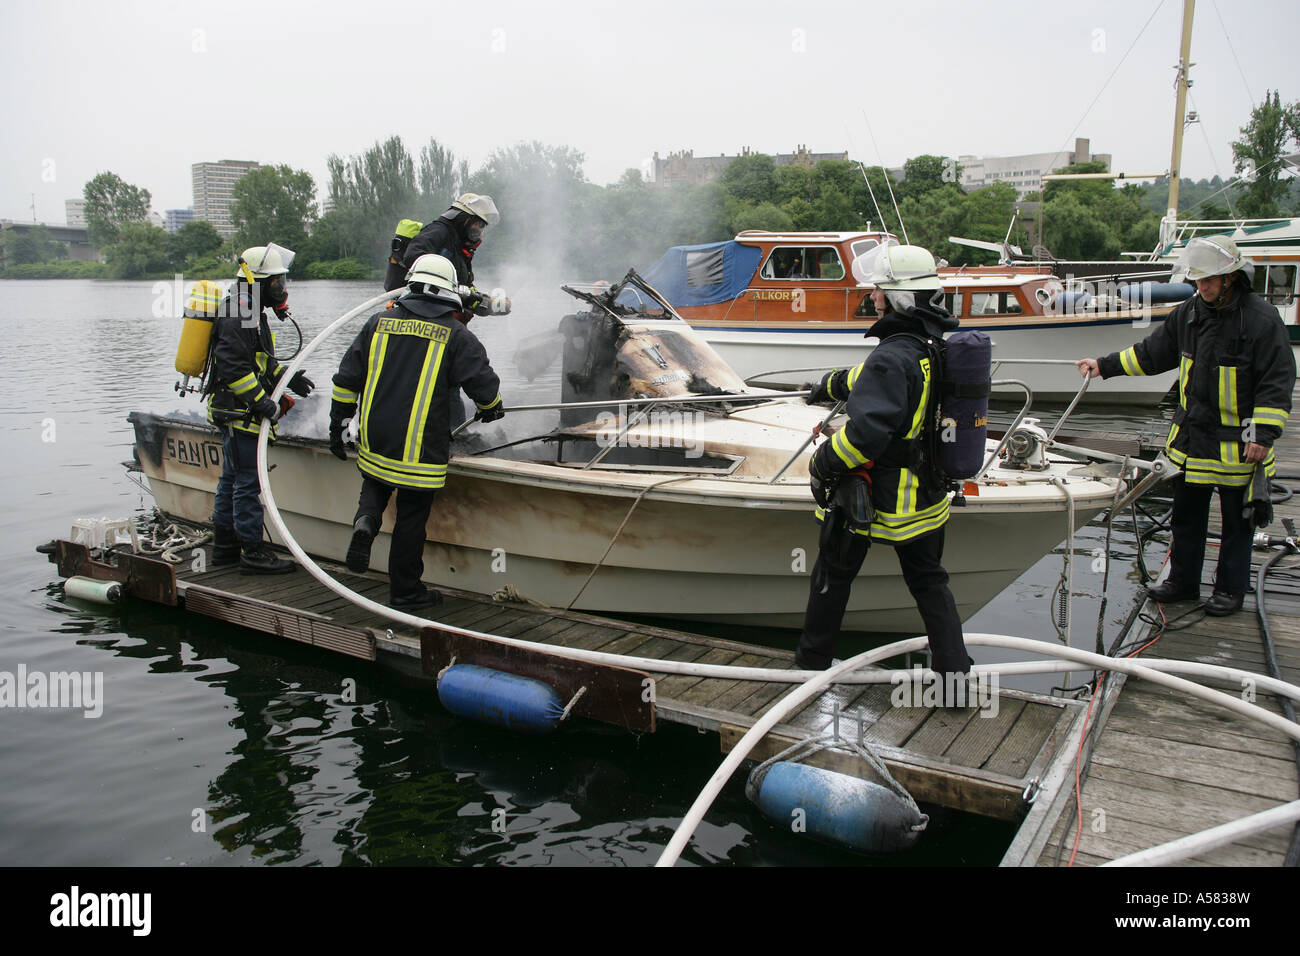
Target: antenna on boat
x=872, y=193
x=880, y=217
x=888, y=184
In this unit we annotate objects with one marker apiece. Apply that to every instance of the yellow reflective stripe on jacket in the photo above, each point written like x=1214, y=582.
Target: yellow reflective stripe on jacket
x=908, y=484
x=1129, y=360
x=1184, y=376
x=248, y=383
x=372, y=382
x=423, y=399
x=896, y=528
x=408, y=474
x=918, y=419
x=492, y=404
x=1276, y=417
x=1210, y=471
x=1228, y=451
x=344, y=395
x=842, y=447
x=853, y=375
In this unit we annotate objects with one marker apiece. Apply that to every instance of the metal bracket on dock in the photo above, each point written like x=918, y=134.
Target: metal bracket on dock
x=615, y=695
x=140, y=577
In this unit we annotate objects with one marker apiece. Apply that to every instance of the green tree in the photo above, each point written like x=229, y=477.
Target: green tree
x=194, y=240
x=922, y=174
x=540, y=191
x=140, y=249
x=273, y=204
x=1257, y=155
x=751, y=178
x=764, y=215
x=371, y=192
x=1073, y=229
x=442, y=178
x=110, y=202
x=31, y=246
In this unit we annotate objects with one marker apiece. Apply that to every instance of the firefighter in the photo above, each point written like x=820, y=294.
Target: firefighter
x=1235, y=375
x=456, y=236
x=869, y=479
x=401, y=376
x=244, y=372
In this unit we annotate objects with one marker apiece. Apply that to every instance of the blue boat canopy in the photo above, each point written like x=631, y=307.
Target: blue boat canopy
x=703, y=274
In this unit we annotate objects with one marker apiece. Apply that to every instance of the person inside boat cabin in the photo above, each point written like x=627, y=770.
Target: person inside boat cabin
x=868, y=479
x=243, y=373
x=1235, y=376
x=402, y=375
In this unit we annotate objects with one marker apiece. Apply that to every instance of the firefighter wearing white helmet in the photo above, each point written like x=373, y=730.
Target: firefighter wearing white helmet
x=401, y=378
x=1235, y=376
x=868, y=481
x=456, y=236
x=243, y=374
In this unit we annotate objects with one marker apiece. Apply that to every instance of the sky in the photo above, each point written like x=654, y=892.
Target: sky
x=145, y=88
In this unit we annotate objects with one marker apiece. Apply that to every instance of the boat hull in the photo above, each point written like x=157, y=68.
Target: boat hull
x=690, y=553
x=755, y=350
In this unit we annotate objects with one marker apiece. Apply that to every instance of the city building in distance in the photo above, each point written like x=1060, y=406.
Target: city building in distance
x=685, y=167
x=1024, y=172
x=175, y=218
x=214, y=191
x=74, y=212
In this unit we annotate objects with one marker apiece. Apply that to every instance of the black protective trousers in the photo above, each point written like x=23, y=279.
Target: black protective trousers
x=1190, y=527
x=406, y=553
x=832, y=579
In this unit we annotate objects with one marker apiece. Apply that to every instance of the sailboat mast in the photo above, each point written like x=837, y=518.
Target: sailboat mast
x=1180, y=110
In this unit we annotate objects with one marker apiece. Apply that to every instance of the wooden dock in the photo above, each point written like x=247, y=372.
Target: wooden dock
x=1164, y=765
x=982, y=760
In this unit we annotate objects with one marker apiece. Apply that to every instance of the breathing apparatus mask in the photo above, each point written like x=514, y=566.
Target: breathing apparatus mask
x=276, y=291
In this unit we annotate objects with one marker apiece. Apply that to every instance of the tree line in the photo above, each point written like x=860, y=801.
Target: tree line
x=555, y=221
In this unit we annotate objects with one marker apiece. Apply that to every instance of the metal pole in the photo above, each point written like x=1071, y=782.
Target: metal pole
x=807, y=441
x=636, y=402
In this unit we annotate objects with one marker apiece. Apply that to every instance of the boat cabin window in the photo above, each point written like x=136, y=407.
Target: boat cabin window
x=994, y=303
x=704, y=268
x=1275, y=283
x=803, y=262
x=867, y=309
x=862, y=246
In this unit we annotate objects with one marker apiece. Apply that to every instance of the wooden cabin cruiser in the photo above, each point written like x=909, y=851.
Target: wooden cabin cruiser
x=670, y=488
x=772, y=302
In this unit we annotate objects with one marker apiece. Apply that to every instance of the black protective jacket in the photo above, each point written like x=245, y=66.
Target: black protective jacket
x=445, y=237
x=1235, y=375
x=401, y=374
x=888, y=397
x=244, y=369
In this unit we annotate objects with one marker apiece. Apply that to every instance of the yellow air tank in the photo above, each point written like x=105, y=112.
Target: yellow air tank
x=196, y=333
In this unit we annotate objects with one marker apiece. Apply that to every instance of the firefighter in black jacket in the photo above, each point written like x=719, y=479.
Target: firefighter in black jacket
x=401, y=375
x=1235, y=375
x=244, y=372
x=456, y=236
x=889, y=396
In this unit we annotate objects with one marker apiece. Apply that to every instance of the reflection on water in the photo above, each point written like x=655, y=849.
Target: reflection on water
x=220, y=746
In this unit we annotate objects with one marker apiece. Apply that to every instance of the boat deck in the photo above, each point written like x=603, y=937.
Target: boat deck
x=1163, y=765
x=972, y=759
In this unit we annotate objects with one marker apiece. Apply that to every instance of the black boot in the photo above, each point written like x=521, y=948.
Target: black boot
x=363, y=534
x=427, y=598
x=225, y=546
x=257, y=558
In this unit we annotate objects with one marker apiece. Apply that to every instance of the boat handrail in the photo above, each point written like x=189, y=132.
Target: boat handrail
x=1015, y=423
x=637, y=402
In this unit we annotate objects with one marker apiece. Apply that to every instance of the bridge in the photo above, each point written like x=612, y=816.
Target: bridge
x=76, y=238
